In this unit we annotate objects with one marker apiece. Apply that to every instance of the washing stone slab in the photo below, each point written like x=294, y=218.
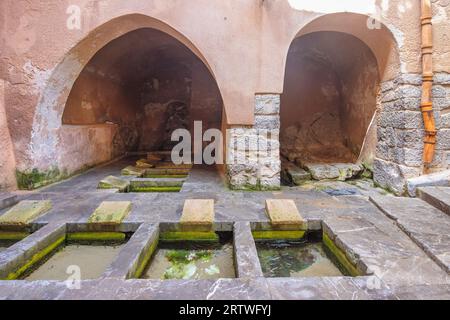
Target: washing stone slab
x=112, y=182
x=133, y=171
x=283, y=213
x=25, y=212
x=438, y=179
x=198, y=214
x=110, y=212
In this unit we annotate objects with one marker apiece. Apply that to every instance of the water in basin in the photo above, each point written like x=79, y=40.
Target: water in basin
x=92, y=261
x=190, y=260
x=295, y=259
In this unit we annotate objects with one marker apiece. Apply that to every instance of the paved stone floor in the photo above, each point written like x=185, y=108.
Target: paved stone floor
x=402, y=244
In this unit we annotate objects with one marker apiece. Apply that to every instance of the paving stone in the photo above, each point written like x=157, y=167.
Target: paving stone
x=246, y=256
x=7, y=200
x=111, y=212
x=283, y=212
x=426, y=225
x=198, y=212
x=112, y=182
x=439, y=197
x=25, y=212
x=434, y=179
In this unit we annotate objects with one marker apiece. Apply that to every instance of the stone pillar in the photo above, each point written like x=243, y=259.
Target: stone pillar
x=253, y=153
x=400, y=133
x=7, y=159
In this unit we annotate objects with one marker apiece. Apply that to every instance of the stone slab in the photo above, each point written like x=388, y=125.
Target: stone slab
x=246, y=256
x=7, y=200
x=25, y=212
x=112, y=182
x=283, y=212
x=438, y=197
x=424, y=224
x=156, y=182
x=435, y=179
x=110, y=212
x=198, y=212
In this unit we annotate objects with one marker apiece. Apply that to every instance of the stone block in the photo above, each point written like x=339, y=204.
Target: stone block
x=268, y=104
x=198, y=214
x=7, y=200
x=283, y=212
x=271, y=122
x=25, y=212
x=393, y=176
x=110, y=212
x=429, y=180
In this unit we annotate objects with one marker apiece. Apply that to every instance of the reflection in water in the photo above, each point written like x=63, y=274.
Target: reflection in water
x=191, y=261
x=295, y=259
x=91, y=259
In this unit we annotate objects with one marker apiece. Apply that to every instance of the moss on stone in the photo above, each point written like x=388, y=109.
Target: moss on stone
x=166, y=176
x=33, y=179
x=13, y=236
x=96, y=236
x=278, y=235
x=145, y=260
x=340, y=256
x=189, y=236
x=35, y=259
x=155, y=189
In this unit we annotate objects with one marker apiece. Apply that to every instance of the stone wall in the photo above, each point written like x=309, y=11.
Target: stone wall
x=253, y=153
x=401, y=133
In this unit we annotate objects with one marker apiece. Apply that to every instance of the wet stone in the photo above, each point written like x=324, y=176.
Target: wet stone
x=112, y=182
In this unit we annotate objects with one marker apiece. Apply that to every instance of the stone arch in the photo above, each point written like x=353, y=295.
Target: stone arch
x=49, y=133
x=330, y=42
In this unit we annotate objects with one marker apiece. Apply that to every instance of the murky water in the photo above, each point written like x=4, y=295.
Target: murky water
x=295, y=259
x=191, y=261
x=92, y=261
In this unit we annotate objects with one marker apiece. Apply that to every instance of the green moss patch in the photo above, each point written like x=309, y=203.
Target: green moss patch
x=189, y=236
x=166, y=176
x=96, y=236
x=145, y=260
x=340, y=256
x=278, y=235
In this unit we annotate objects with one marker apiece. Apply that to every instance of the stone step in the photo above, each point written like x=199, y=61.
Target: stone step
x=438, y=197
x=7, y=200
x=438, y=179
x=290, y=172
x=157, y=182
x=427, y=226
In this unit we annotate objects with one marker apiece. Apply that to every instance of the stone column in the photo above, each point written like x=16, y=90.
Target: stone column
x=253, y=153
x=400, y=132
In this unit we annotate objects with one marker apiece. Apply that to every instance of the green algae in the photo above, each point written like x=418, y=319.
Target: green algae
x=166, y=176
x=183, y=263
x=145, y=259
x=13, y=236
x=189, y=236
x=96, y=236
x=278, y=235
x=340, y=256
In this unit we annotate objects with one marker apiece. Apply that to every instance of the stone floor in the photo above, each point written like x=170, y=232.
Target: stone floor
x=403, y=244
